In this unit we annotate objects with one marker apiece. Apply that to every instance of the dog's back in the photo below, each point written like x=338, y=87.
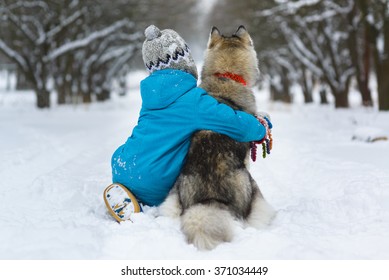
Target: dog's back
x=215, y=187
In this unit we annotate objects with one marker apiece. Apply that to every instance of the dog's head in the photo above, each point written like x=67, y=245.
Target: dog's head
x=234, y=54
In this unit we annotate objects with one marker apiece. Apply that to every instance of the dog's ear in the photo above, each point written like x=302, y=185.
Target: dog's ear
x=214, y=36
x=241, y=32
x=215, y=32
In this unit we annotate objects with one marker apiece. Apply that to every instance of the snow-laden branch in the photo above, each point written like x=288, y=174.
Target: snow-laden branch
x=21, y=25
x=74, y=4
x=36, y=22
x=121, y=60
x=287, y=7
x=281, y=57
x=117, y=52
x=300, y=51
x=304, y=60
x=102, y=54
x=286, y=63
x=9, y=52
x=118, y=64
x=320, y=17
x=297, y=41
x=28, y=4
x=63, y=24
x=71, y=46
x=341, y=10
x=318, y=43
x=330, y=10
x=112, y=40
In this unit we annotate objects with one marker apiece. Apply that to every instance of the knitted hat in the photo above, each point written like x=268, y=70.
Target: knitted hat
x=166, y=49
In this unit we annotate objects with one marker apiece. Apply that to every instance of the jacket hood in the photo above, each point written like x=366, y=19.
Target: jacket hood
x=163, y=87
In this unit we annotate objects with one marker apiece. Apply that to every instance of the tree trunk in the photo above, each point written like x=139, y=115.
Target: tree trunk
x=61, y=96
x=103, y=95
x=307, y=96
x=383, y=85
x=382, y=76
x=86, y=97
x=287, y=98
x=341, y=98
x=363, y=75
x=360, y=58
x=383, y=95
x=306, y=86
x=323, y=96
x=382, y=70
x=122, y=85
x=64, y=92
x=43, y=98
x=8, y=80
x=61, y=93
x=274, y=93
x=364, y=87
x=381, y=61
x=22, y=83
x=365, y=93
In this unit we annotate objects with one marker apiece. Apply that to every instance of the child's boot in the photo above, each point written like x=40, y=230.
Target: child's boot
x=120, y=202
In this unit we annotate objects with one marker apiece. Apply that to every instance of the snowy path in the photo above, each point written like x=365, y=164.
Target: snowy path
x=331, y=193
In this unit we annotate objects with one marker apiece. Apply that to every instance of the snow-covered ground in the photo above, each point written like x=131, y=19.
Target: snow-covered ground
x=331, y=192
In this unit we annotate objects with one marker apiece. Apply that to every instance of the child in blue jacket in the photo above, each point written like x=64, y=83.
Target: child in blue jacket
x=145, y=168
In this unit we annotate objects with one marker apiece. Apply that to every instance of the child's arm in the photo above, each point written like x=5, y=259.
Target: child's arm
x=219, y=117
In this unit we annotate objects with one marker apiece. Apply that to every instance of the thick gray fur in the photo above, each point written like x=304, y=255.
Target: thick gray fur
x=215, y=189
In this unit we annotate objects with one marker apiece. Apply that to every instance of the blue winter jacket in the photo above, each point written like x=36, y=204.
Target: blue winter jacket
x=173, y=109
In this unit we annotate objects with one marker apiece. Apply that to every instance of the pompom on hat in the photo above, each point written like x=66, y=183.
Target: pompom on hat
x=166, y=49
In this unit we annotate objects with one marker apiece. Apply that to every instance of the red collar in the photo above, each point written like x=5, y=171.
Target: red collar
x=232, y=76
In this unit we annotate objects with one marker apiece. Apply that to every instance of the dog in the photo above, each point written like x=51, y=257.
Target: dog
x=215, y=188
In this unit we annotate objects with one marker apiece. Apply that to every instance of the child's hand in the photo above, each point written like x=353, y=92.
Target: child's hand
x=265, y=121
x=267, y=141
x=265, y=116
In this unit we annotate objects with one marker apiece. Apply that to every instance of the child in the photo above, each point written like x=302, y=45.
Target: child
x=145, y=168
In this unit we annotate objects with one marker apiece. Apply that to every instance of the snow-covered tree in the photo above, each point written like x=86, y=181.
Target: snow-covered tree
x=22, y=40
x=54, y=39
x=322, y=41
x=316, y=34
x=376, y=19
x=81, y=45
x=360, y=52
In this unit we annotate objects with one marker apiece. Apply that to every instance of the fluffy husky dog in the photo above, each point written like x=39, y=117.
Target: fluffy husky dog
x=215, y=187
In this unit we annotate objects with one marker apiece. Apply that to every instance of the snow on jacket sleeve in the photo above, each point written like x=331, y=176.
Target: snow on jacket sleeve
x=221, y=118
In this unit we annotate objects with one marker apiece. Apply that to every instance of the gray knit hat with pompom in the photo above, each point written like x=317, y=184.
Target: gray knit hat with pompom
x=166, y=49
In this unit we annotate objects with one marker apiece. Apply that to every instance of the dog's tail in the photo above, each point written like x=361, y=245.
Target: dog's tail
x=207, y=225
